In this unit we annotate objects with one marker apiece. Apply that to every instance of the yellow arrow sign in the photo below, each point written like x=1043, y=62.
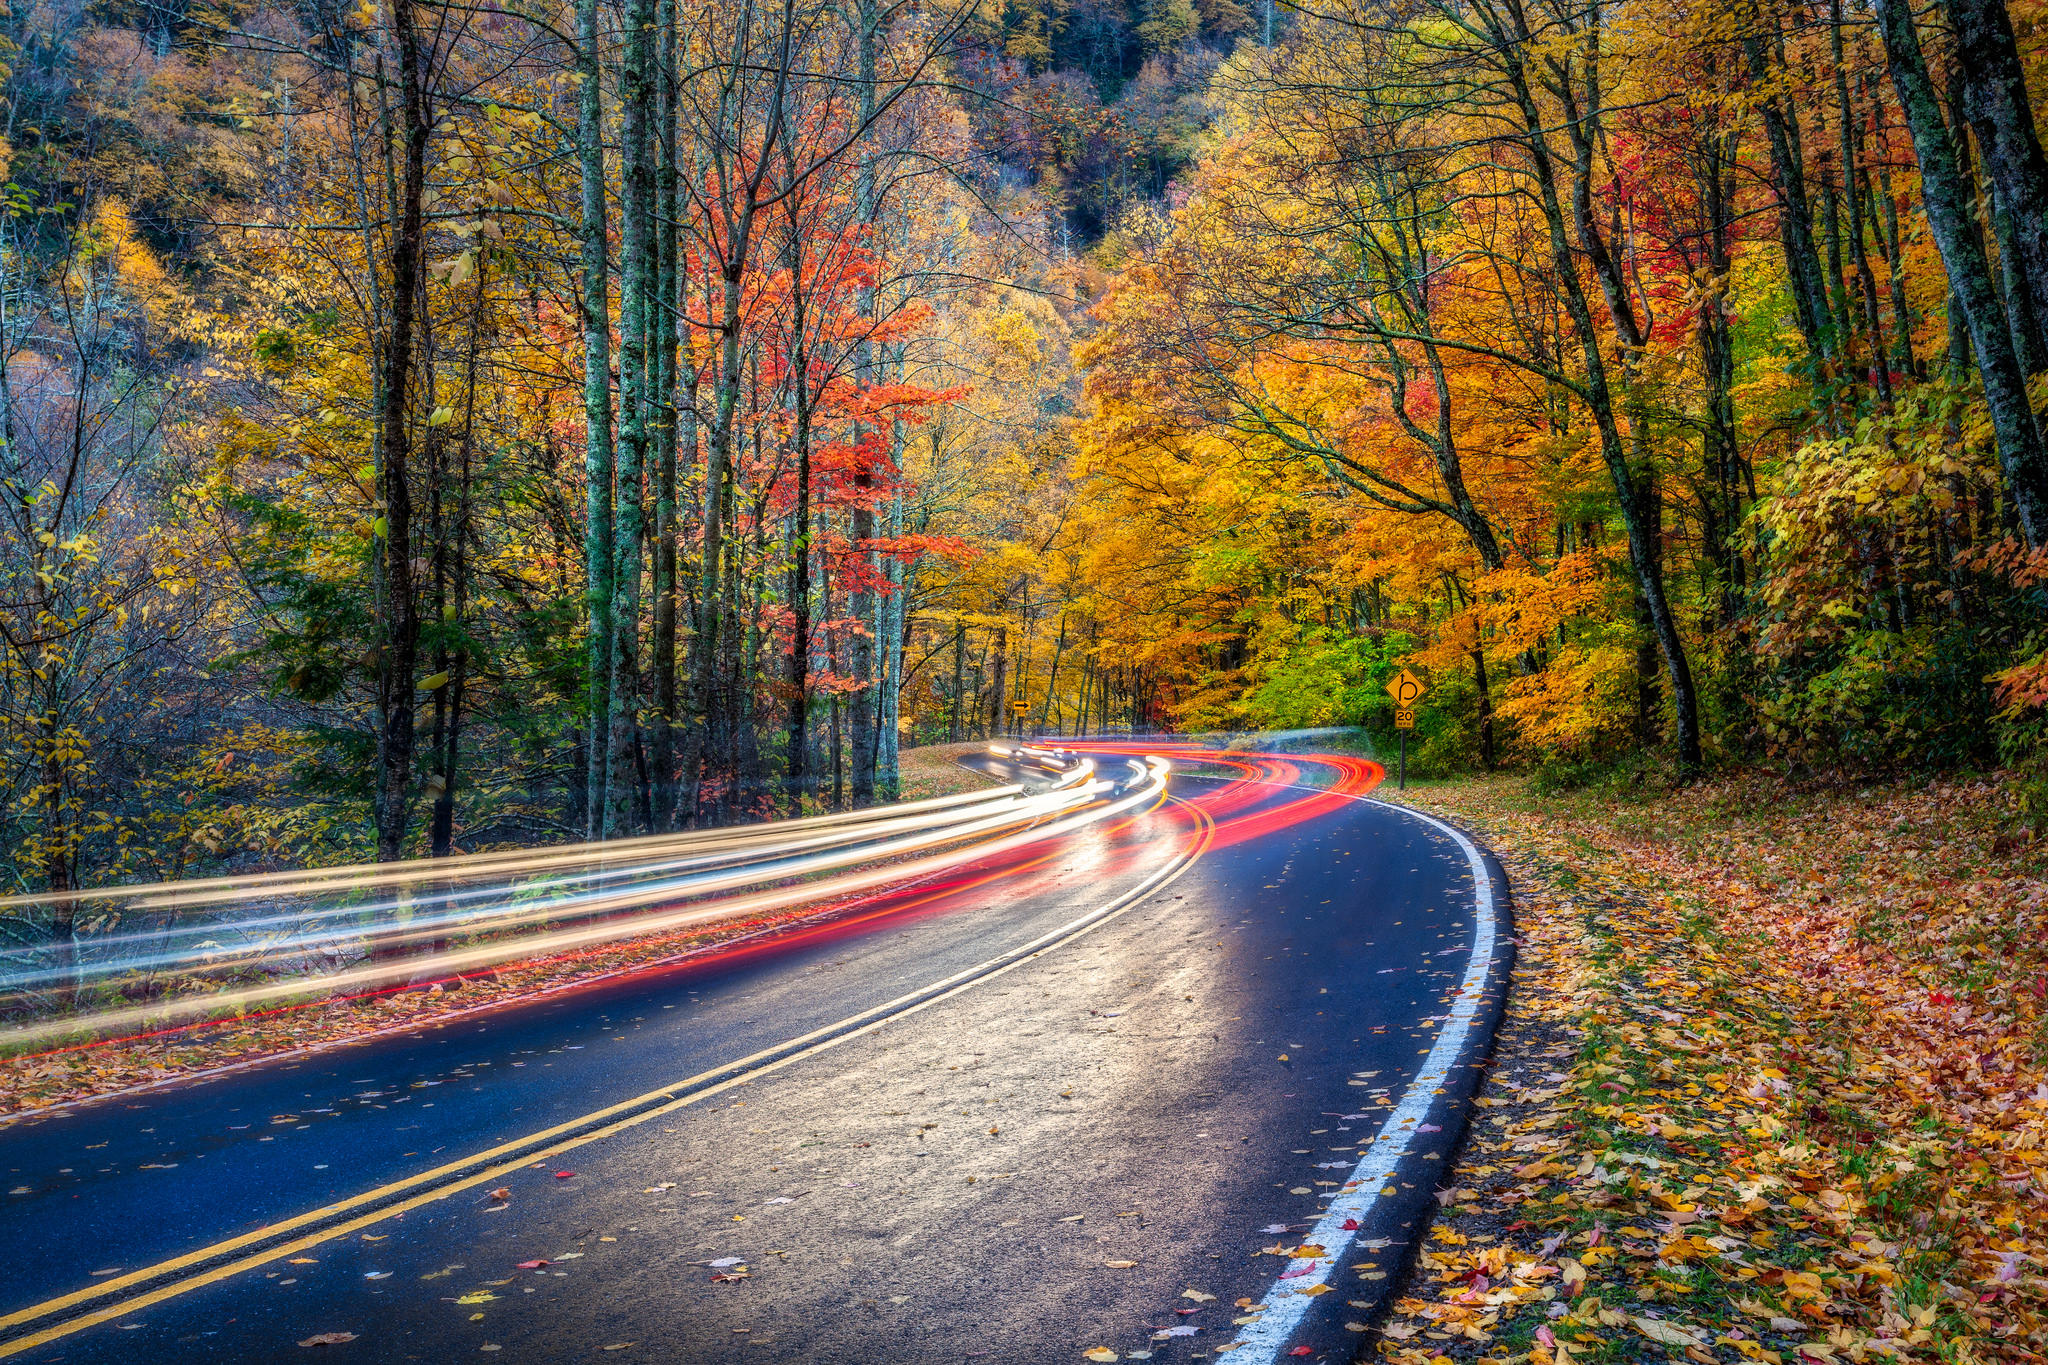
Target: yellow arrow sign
x=1406, y=689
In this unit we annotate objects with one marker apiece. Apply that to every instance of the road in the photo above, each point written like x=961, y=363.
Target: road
x=1072, y=1102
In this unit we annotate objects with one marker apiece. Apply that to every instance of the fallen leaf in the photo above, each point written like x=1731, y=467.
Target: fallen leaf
x=1099, y=1353
x=1120, y=1265
x=1197, y=1296
x=1664, y=1333
x=329, y=1339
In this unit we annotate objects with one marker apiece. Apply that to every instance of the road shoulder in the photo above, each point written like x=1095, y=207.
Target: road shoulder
x=1702, y=1136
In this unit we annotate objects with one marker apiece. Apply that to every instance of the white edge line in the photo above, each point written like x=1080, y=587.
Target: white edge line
x=1285, y=1305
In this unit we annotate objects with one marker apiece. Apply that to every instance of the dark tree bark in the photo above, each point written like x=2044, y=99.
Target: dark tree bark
x=862, y=604
x=1721, y=447
x=454, y=661
x=1852, y=207
x=638, y=79
x=999, y=684
x=800, y=612
x=1895, y=261
x=798, y=746
x=663, y=306
x=953, y=730
x=597, y=412
x=398, y=651
x=1995, y=98
x=2021, y=456
x=1795, y=219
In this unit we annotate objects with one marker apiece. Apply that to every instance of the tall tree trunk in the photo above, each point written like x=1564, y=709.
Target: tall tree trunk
x=1895, y=261
x=953, y=727
x=1995, y=92
x=661, y=756
x=1721, y=443
x=688, y=434
x=2021, y=455
x=597, y=411
x=1795, y=217
x=1852, y=207
x=1486, y=746
x=797, y=759
x=637, y=86
x=895, y=613
x=1046, y=712
x=999, y=685
x=800, y=609
x=454, y=663
x=399, y=642
x=861, y=603
x=708, y=643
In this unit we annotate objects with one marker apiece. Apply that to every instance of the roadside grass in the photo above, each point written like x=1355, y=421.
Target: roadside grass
x=1770, y=1087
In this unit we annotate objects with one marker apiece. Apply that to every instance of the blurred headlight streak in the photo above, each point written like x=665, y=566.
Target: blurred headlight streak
x=357, y=929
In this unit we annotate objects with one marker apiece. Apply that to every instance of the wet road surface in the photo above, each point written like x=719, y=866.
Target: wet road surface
x=1094, y=1098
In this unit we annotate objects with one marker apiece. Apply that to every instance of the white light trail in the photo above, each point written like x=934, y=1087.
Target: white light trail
x=934, y=837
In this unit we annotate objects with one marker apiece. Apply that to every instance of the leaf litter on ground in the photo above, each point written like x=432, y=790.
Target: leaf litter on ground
x=1770, y=1088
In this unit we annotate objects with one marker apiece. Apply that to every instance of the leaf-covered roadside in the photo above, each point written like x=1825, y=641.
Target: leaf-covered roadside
x=1771, y=1087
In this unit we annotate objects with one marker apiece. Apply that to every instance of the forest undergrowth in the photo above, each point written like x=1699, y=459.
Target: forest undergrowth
x=1771, y=1087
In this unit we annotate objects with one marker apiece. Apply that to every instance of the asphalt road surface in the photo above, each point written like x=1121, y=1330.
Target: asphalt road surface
x=1087, y=1097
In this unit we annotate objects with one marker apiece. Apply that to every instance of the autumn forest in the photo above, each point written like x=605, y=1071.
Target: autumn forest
x=436, y=427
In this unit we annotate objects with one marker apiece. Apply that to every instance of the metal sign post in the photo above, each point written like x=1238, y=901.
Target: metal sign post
x=1406, y=689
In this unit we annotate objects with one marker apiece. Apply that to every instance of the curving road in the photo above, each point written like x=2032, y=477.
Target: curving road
x=1090, y=1096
